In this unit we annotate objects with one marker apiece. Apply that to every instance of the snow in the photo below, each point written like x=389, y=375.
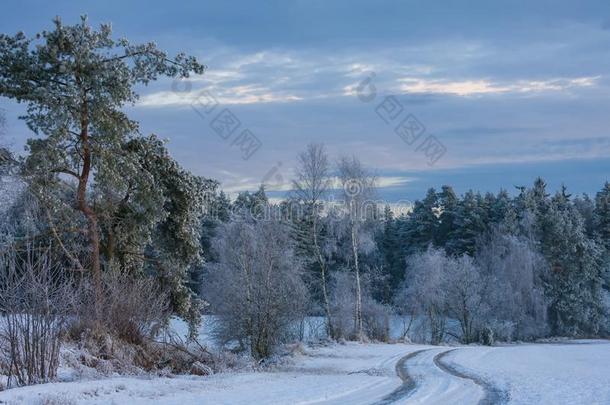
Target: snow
x=573, y=373
x=435, y=386
x=351, y=373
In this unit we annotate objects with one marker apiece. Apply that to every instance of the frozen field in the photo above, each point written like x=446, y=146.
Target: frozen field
x=576, y=373
x=567, y=373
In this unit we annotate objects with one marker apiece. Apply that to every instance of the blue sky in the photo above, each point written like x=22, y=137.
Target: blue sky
x=511, y=89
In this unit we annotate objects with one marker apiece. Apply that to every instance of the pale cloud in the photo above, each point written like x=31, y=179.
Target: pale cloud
x=460, y=88
x=484, y=86
x=392, y=181
x=232, y=185
x=235, y=95
x=285, y=76
x=381, y=181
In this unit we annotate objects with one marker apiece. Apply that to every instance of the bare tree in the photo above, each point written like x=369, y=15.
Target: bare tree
x=515, y=273
x=36, y=300
x=375, y=316
x=256, y=288
x=422, y=293
x=357, y=191
x=310, y=186
x=465, y=293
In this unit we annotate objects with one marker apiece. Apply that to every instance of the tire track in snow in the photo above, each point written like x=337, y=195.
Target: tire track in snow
x=493, y=394
x=426, y=380
x=408, y=384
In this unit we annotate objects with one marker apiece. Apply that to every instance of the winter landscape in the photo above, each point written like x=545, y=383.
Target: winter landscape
x=304, y=203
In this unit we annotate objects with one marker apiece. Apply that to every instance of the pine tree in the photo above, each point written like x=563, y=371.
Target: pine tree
x=392, y=257
x=469, y=225
x=500, y=208
x=602, y=215
x=222, y=207
x=601, y=226
x=423, y=223
x=76, y=82
x=448, y=202
x=574, y=285
x=252, y=206
x=586, y=208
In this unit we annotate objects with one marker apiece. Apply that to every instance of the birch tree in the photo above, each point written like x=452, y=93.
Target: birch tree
x=311, y=186
x=357, y=193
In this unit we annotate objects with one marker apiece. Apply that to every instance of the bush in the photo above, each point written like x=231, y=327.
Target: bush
x=376, y=319
x=133, y=309
x=256, y=288
x=375, y=316
x=343, y=304
x=36, y=301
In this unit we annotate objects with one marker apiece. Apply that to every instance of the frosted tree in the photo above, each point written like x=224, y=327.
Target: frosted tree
x=514, y=272
x=602, y=215
x=601, y=226
x=423, y=223
x=256, y=287
x=464, y=294
x=469, y=223
x=357, y=193
x=391, y=255
x=500, y=208
x=75, y=81
x=310, y=188
x=252, y=206
x=574, y=282
x=422, y=293
x=448, y=204
x=586, y=208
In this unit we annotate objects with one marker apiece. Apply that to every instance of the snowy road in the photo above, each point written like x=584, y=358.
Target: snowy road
x=435, y=385
x=564, y=373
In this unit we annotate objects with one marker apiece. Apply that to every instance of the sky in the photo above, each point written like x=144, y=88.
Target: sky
x=479, y=95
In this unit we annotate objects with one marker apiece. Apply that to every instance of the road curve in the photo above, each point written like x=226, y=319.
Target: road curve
x=493, y=395
x=408, y=384
x=436, y=386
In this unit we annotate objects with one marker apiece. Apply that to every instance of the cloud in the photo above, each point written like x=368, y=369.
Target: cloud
x=235, y=95
x=233, y=184
x=460, y=67
x=484, y=86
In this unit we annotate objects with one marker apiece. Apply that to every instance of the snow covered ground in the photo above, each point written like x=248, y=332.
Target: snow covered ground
x=568, y=373
x=573, y=373
x=340, y=374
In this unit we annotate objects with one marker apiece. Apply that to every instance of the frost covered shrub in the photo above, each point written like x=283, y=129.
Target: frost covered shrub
x=343, y=304
x=133, y=308
x=513, y=271
x=36, y=300
x=375, y=316
x=256, y=288
x=422, y=293
x=464, y=295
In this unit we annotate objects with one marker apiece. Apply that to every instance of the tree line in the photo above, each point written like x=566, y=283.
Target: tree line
x=472, y=267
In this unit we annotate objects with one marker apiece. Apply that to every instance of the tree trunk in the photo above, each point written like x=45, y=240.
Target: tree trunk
x=329, y=323
x=81, y=199
x=358, y=287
